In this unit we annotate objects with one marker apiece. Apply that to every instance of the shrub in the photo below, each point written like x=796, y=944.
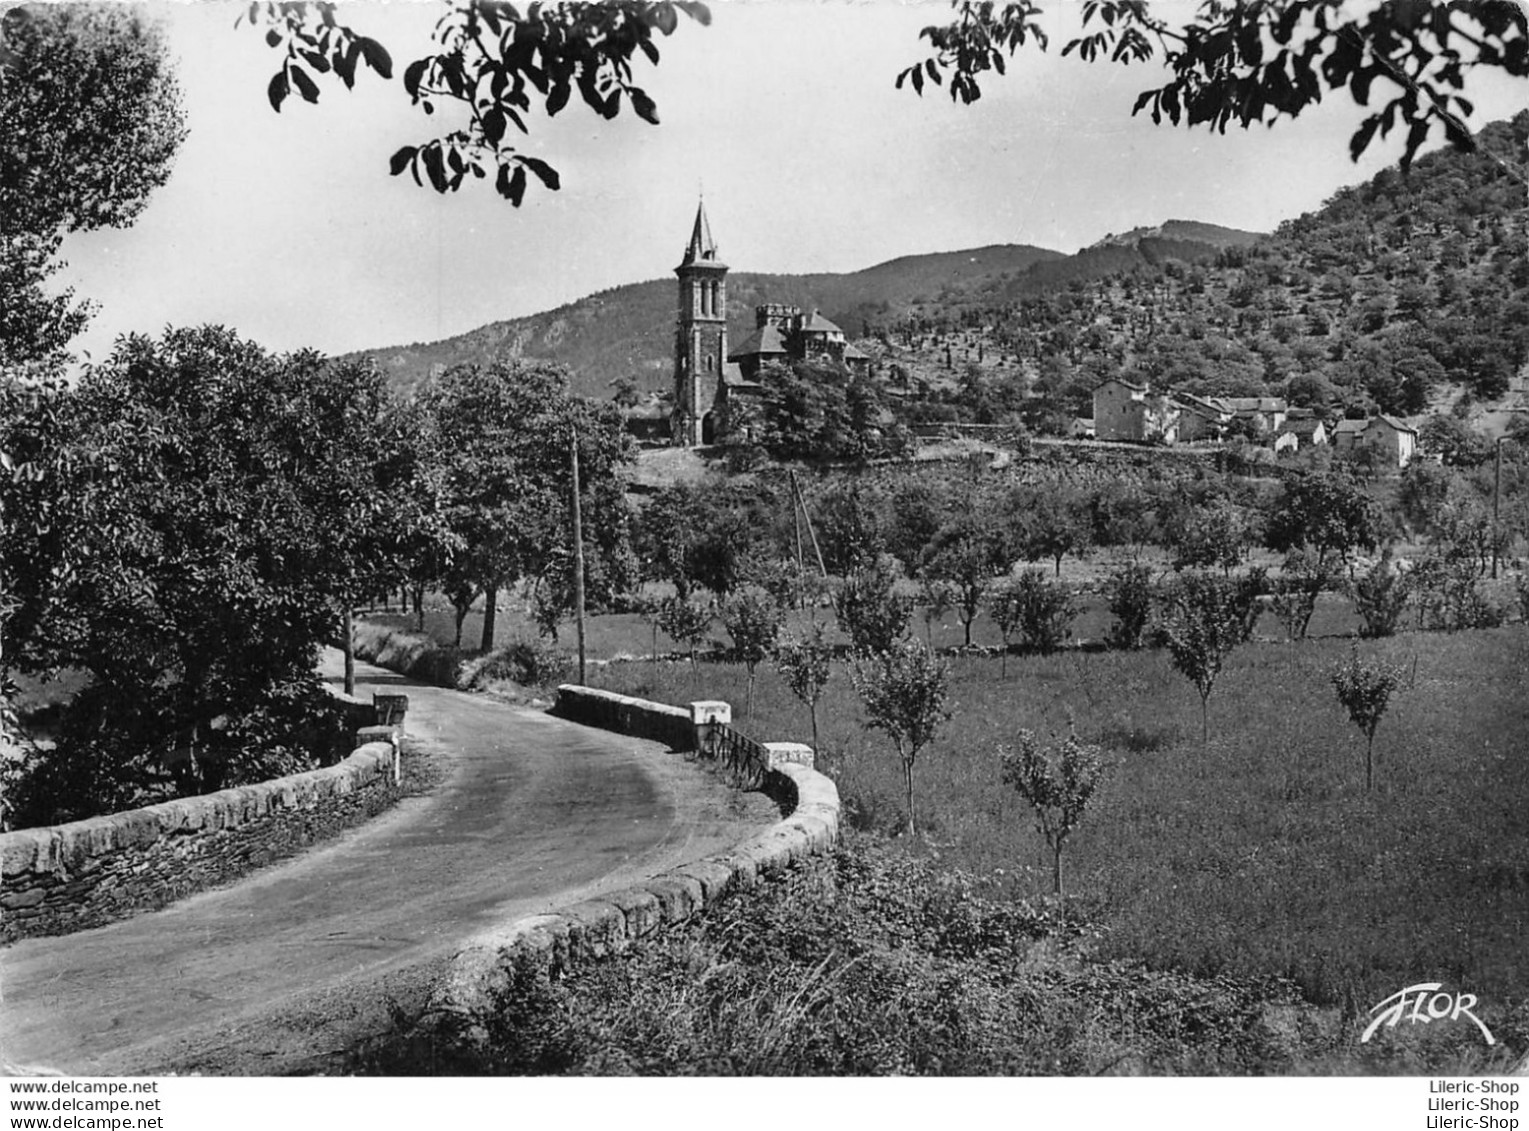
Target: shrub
x=1449, y=594
x=1250, y=592
x=1129, y=589
x=1380, y=598
x=1302, y=578
x=1045, y=610
x=871, y=962
x=526, y=661
x=416, y=656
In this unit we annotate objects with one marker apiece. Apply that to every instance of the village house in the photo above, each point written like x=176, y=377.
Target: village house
x=1395, y=438
x=1124, y=410
x=1346, y=433
x=1309, y=429
x=1201, y=419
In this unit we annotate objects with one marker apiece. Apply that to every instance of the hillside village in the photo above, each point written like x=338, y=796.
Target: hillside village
x=1401, y=300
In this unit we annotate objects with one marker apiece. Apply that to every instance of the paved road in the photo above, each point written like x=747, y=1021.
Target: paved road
x=297, y=961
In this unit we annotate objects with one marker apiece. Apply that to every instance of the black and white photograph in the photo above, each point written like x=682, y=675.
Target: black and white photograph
x=833, y=539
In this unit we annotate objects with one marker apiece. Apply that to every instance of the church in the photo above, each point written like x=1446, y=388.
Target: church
x=707, y=376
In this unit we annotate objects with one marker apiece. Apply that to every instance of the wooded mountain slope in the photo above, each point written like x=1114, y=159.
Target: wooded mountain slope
x=1395, y=293
x=628, y=331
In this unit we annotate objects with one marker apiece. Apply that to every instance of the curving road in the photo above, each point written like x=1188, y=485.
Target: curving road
x=284, y=970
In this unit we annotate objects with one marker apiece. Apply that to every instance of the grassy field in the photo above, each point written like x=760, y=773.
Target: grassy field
x=1259, y=854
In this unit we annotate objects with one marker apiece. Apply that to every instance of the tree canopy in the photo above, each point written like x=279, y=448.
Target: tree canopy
x=1256, y=62
x=1246, y=63
x=202, y=511
x=92, y=122
x=494, y=61
x=508, y=430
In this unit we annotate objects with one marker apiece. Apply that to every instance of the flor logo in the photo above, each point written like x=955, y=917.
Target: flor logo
x=1427, y=1004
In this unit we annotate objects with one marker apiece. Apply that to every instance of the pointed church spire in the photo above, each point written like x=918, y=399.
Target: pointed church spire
x=701, y=246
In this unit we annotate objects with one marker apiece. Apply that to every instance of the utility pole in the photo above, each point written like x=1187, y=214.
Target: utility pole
x=796, y=490
x=348, y=643
x=578, y=547
x=1496, y=499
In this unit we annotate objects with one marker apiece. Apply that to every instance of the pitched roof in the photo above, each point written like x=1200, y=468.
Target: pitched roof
x=701, y=248
x=1254, y=404
x=764, y=341
x=1120, y=381
x=854, y=353
x=815, y=323
x=1395, y=423
x=1351, y=426
x=1302, y=425
x=1203, y=406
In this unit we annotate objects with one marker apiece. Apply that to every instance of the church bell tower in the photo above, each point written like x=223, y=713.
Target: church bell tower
x=700, y=334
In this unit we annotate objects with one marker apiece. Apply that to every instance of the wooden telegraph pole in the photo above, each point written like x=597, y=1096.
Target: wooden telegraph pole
x=578, y=547
x=801, y=503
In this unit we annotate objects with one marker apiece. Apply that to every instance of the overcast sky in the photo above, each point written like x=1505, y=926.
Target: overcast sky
x=288, y=228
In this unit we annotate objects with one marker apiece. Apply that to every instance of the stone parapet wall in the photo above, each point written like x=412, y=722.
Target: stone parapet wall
x=641, y=718
x=563, y=939
x=69, y=877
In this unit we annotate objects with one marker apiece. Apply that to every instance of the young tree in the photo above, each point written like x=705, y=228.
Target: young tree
x=871, y=611
x=1365, y=692
x=687, y=621
x=1007, y=608
x=753, y=618
x=1045, y=610
x=904, y=691
x=1380, y=597
x=1058, y=784
x=652, y=610
x=1202, y=627
x=936, y=596
x=1053, y=520
x=1318, y=522
x=848, y=529
x=1130, y=597
x=805, y=663
x=1211, y=536
x=967, y=558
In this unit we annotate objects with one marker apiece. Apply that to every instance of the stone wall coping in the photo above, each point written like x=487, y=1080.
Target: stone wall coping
x=613, y=921
x=575, y=692
x=58, y=848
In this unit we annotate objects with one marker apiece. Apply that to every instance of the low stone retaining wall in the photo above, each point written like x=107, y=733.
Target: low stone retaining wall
x=478, y=976
x=641, y=718
x=69, y=877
